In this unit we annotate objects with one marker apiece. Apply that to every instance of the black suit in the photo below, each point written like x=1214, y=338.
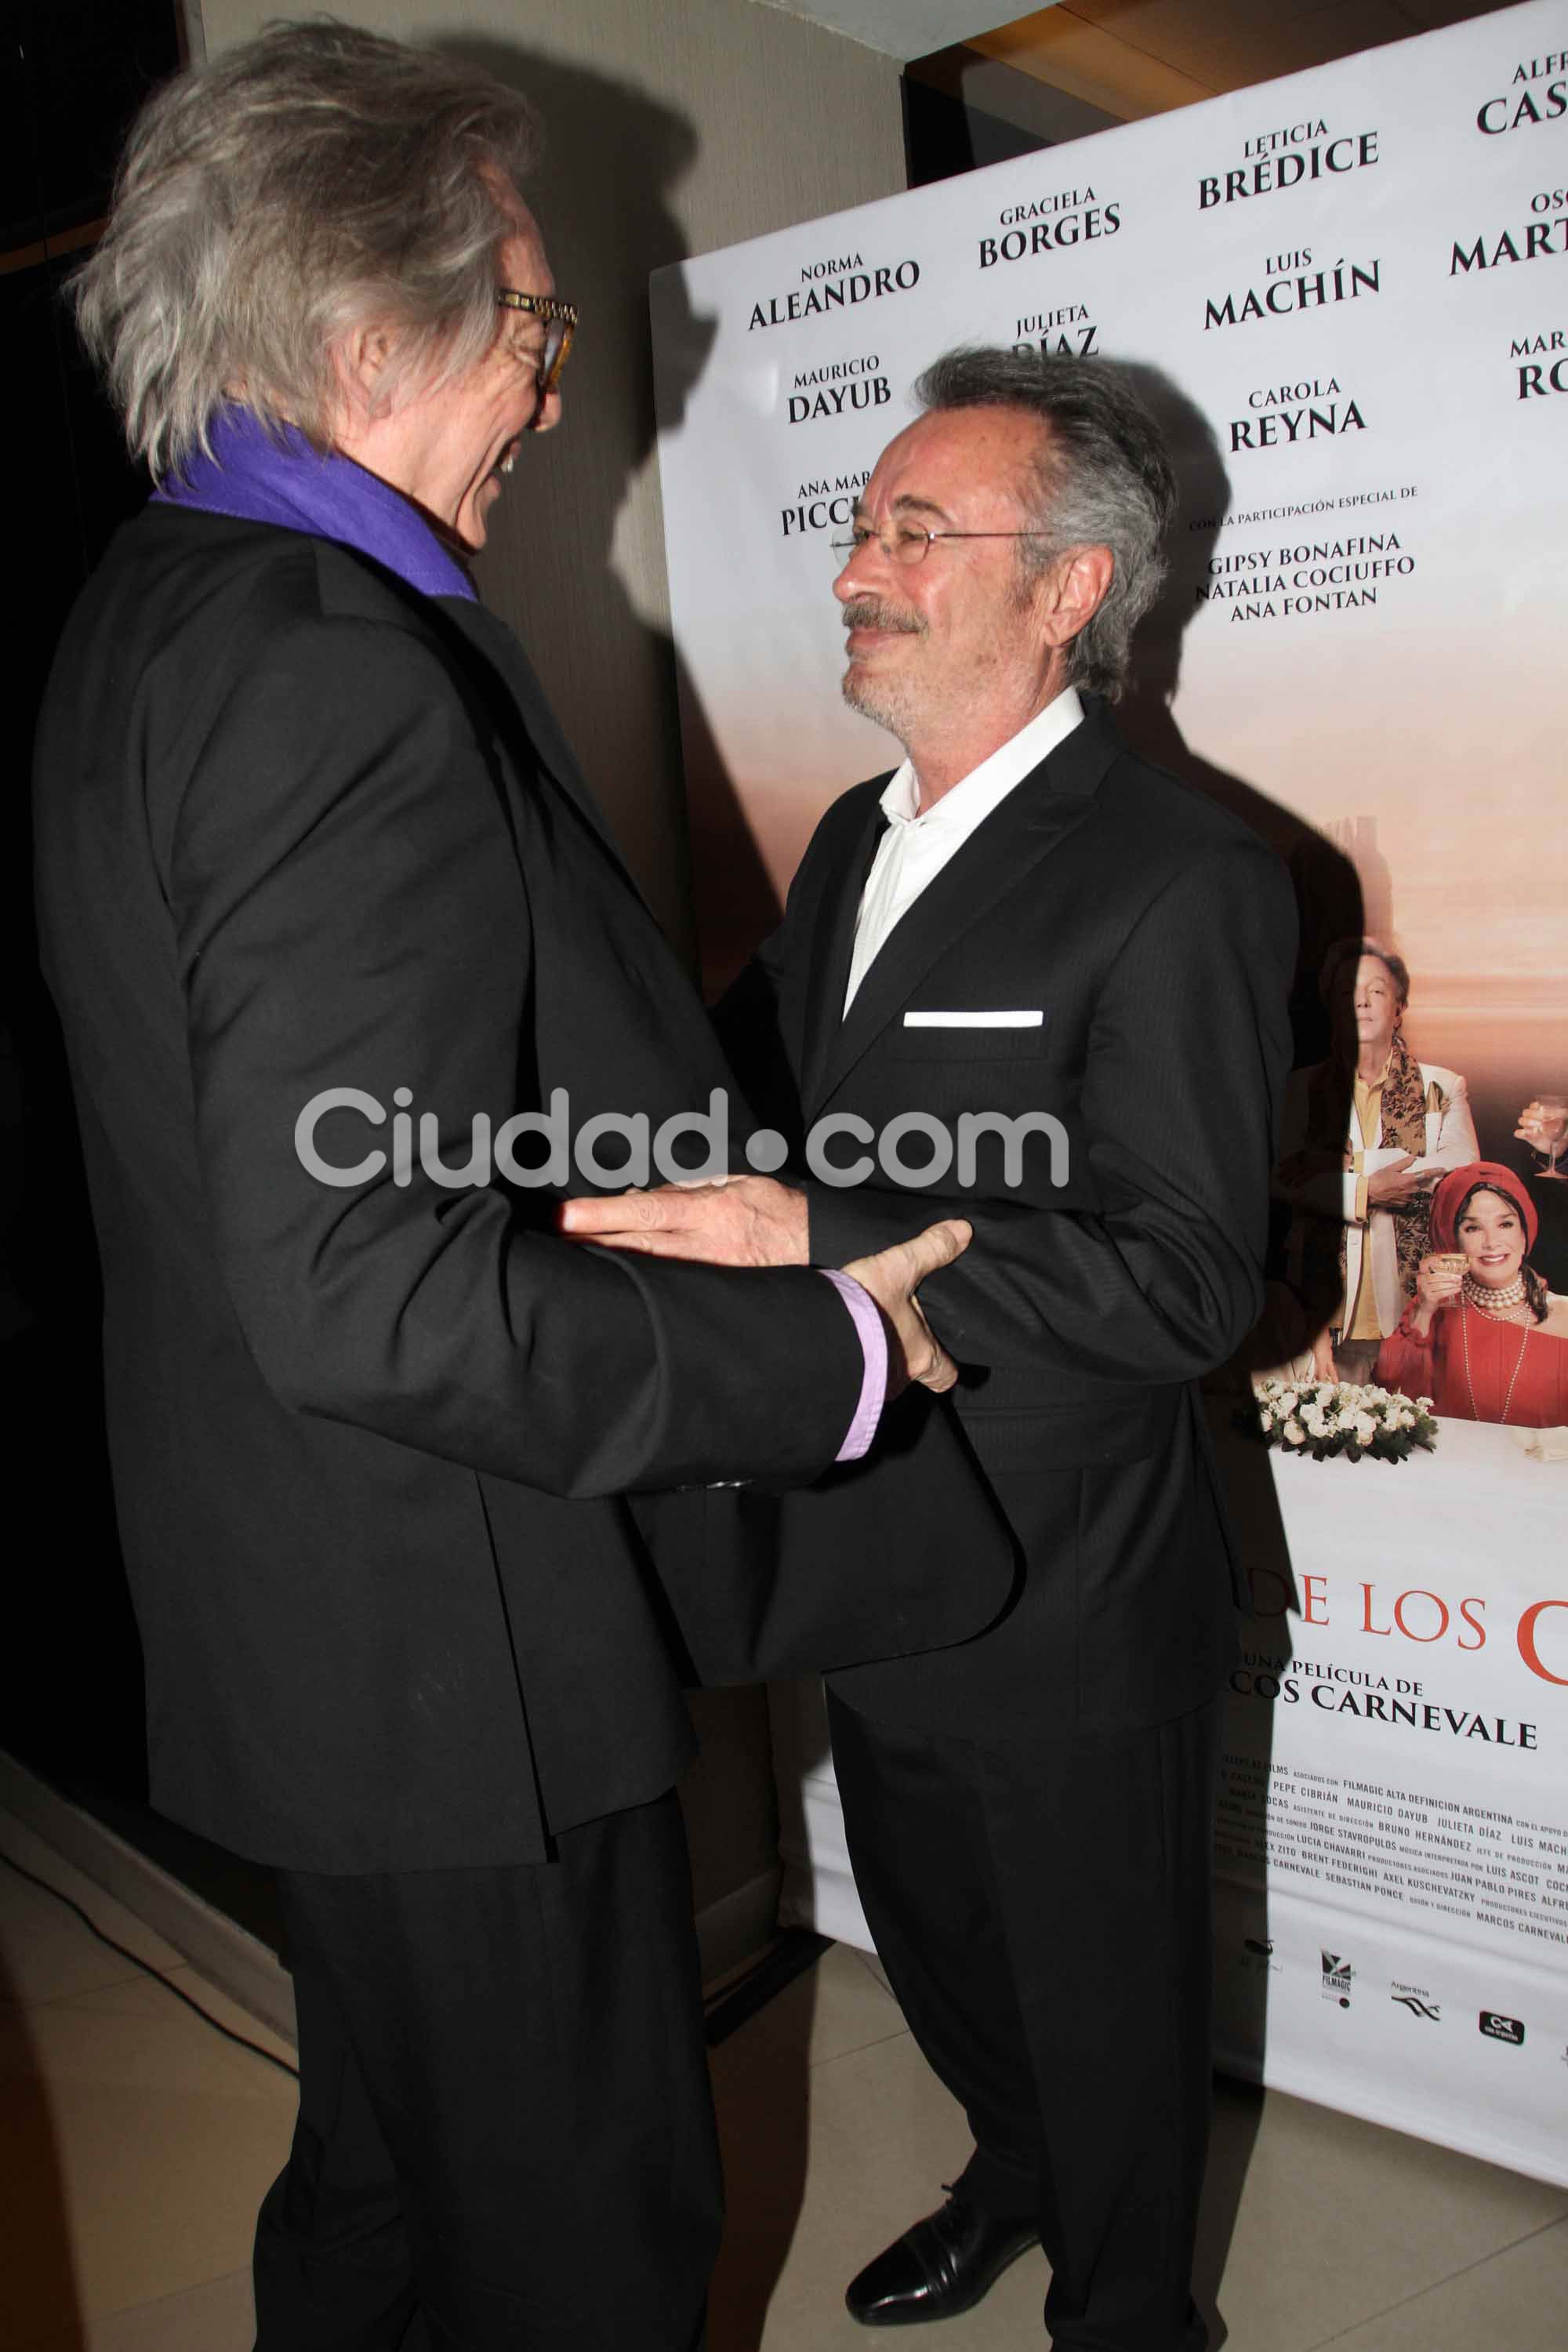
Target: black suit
x=1027, y=1810
x=301, y=829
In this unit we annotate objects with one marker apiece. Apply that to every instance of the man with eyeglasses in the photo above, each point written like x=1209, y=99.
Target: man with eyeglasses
x=314, y=859
x=1025, y=918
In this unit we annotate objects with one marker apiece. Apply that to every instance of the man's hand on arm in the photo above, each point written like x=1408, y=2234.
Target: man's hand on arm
x=893, y=1276
x=739, y=1221
x=754, y=1221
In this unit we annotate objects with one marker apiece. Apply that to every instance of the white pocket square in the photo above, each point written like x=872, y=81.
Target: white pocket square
x=974, y=1020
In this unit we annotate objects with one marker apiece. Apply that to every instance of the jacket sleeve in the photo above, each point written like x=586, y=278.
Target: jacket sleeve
x=350, y=913
x=1408, y=1362
x=1185, y=1065
x=1456, y=1146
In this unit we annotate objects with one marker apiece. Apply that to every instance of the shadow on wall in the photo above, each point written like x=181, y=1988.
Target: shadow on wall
x=1328, y=887
x=604, y=193
x=1330, y=897
x=1330, y=908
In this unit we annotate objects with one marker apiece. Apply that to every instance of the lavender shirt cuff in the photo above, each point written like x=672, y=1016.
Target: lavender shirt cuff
x=873, y=1333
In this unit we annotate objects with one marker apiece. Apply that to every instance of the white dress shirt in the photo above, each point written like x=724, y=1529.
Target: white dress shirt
x=914, y=849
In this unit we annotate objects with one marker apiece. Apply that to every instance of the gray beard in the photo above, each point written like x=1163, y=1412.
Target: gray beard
x=884, y=705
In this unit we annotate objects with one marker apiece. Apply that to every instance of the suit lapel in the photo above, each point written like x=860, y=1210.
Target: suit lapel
x=504, y=654
x=1040, y=812
x=831, y=939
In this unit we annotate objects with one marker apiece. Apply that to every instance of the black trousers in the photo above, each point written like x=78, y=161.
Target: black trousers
x=1042, y=1906
x=506, y=2136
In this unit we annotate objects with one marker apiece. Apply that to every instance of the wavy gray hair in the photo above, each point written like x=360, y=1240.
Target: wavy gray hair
x=309, y=182
x=1104, y=479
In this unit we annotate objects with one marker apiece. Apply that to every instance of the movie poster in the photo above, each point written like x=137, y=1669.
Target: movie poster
x=1345, y=292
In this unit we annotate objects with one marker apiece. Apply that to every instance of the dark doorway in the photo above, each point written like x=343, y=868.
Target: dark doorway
x=72, y=74
x=962, y=110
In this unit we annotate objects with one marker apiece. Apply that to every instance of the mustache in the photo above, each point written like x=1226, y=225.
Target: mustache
x=872, y=613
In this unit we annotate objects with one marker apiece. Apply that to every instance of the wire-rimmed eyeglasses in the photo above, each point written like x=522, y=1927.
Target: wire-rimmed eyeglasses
x=912, y=542
x=560, y=326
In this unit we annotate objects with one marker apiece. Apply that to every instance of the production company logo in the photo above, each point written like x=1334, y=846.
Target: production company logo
x=1338, y=1974
x=1416, y=1999
x=1498, y=2028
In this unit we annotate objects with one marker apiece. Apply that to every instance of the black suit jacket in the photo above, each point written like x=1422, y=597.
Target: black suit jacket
x=301, y=829
x=1155, y=936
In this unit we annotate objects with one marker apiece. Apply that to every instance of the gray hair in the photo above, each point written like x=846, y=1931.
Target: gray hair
x=1104, y=479
x=302, y=185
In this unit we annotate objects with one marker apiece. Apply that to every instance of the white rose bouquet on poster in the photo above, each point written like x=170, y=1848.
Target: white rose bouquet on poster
x=1328, y=1417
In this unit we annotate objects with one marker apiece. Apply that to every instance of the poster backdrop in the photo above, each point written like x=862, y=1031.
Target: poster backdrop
x=1348, y=291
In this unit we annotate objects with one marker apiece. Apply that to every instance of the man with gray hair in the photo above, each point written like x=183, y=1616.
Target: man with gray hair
x=1025, y=919
x=314, y=861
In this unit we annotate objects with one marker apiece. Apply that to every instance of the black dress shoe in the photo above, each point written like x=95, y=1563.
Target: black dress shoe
x=944, y=2264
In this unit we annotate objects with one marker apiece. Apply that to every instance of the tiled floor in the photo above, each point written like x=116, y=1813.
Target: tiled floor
x=135, y=2144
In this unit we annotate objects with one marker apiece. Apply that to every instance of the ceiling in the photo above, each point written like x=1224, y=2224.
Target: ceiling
x=900, y=28
x=1132, y=58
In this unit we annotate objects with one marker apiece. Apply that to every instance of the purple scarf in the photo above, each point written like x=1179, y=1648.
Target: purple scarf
x=255, y=477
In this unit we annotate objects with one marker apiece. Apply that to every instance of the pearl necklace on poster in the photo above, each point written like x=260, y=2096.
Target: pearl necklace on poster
x=1493, y=1301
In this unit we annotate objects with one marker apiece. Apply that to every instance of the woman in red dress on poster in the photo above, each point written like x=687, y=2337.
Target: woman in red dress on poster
x=1483, y=1336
